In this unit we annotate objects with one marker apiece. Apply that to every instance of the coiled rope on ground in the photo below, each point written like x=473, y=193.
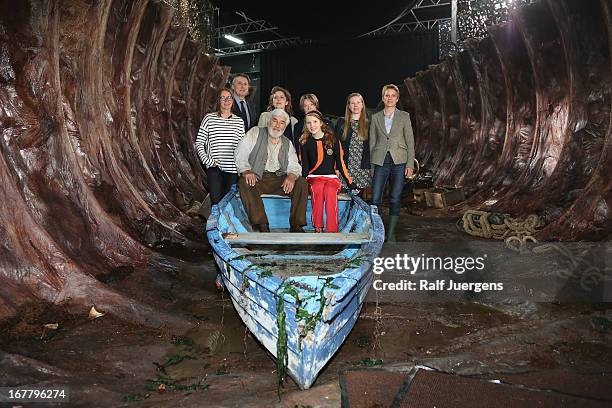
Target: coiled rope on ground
x=515, y=232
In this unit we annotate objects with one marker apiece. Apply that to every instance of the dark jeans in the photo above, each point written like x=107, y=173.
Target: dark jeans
x=381, y=174
x=219, y=183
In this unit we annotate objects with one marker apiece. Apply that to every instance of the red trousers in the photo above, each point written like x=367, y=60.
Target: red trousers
x=324, y=191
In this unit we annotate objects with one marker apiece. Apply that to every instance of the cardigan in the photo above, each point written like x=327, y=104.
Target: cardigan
x=365, y=158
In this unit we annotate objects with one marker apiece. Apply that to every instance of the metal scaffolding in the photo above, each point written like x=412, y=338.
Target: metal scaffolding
x=412, y=22
x=258, y=46
x=251, y=26
x=409, y=27
x=440, y=15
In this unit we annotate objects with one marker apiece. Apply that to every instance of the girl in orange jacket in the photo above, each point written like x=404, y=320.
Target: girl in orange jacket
x=322, y=163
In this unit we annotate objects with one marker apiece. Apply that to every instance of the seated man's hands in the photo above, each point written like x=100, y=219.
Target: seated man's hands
x=250, y=178
x=289, y=183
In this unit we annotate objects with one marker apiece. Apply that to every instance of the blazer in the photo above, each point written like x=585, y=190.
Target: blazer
x=252, y=113
x=399, y=141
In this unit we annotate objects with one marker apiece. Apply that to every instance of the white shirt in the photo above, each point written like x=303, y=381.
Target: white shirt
x=238, y=101
x=389, y=121
x=245, y=147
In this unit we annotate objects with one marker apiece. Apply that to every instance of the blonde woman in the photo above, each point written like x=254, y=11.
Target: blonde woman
x=391, y=154
x=353, y=130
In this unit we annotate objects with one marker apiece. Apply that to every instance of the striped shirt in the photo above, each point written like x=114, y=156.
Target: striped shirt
x=217, y=140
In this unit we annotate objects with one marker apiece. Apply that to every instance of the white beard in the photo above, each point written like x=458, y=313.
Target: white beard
x=274, y=134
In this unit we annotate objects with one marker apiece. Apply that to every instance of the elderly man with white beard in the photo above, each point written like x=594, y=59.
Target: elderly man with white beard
x=267, y=164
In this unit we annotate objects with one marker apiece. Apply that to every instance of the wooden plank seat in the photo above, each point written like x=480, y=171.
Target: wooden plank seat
x=295, y=238
x=341, y=196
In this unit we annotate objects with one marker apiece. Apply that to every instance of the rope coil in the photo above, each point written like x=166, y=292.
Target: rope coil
x=515, y=232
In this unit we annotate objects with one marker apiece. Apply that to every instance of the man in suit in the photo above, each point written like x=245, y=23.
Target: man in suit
x=242, y=106
x=391, y=154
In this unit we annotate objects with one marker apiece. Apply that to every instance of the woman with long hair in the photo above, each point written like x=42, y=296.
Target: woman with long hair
x=322, y=162
x=216, y=142
x=352, y=130
x=280, y=98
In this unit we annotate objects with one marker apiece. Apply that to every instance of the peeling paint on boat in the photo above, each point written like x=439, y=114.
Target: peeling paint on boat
x=254, y=297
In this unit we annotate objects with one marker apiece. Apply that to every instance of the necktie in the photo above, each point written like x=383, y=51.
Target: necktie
x=244, y=115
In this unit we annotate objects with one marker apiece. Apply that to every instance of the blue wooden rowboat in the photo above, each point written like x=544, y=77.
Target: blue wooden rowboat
x=299, y=293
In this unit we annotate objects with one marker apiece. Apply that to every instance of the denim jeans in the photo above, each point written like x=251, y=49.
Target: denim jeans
x=381, y=174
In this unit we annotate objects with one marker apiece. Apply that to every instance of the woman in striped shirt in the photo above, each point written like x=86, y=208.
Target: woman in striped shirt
x=217, y=139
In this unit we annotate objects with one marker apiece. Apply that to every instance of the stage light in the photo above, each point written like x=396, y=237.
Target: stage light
x=233, y=39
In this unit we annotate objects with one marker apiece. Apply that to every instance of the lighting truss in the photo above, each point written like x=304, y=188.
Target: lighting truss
x=423, y=4
x=415, y=23
x=409, y=27
x=259, y=46
x=249, y=27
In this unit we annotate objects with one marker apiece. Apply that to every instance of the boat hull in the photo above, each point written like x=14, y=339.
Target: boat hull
x=318, y=311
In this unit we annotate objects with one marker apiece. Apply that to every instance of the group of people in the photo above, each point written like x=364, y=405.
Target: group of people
x=275, y=153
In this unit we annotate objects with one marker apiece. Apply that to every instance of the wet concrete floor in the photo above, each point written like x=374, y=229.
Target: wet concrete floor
x=108, y=363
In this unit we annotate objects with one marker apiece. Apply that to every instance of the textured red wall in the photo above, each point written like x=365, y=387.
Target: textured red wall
x=100, y=102
x=522, y=119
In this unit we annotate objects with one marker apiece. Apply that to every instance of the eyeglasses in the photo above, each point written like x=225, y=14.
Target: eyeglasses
x=225, y=98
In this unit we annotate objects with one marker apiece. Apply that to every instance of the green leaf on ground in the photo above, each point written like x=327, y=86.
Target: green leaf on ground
x=367, y=362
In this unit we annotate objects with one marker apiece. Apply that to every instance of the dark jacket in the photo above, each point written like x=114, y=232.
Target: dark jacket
x=365, y=159
x=318, y=161
x=299, y=128
x=252, y=113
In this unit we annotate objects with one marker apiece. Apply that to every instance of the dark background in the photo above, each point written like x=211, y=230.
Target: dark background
x=334, y=69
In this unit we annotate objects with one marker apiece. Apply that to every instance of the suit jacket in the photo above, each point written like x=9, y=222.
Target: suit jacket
x=399, y=141
x=252, y=113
